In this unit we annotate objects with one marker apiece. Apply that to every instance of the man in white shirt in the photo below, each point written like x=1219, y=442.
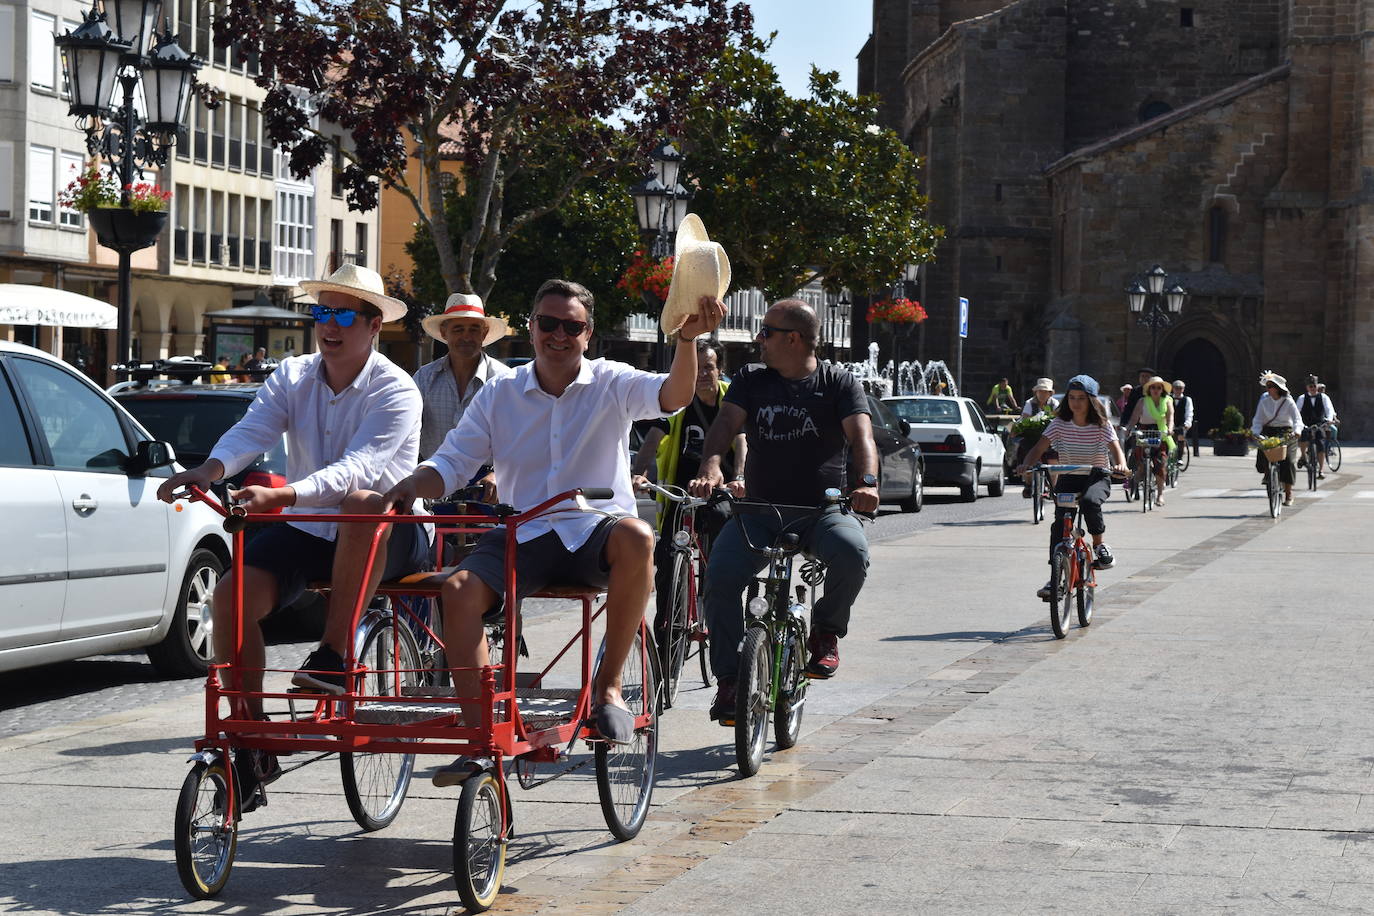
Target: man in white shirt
x=559, y=423
x=351, y=418
x=449, y=383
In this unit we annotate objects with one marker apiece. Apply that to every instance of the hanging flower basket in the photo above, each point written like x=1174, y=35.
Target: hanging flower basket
x=896, y=311
x=646, y=277
x=126, y=230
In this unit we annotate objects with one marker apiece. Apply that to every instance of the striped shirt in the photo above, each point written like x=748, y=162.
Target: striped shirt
x=1075, y=444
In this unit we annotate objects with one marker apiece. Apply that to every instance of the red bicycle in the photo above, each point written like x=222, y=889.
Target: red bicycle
x=1072, y=576
x=526, y=723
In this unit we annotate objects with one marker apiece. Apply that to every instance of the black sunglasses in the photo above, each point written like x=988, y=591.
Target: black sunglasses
x=548, y=324
x=767, y=330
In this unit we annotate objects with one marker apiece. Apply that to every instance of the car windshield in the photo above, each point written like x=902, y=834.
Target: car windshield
x=192, y=424
x=925, y=410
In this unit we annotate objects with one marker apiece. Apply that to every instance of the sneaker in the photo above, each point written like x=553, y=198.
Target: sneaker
x=1288, y=500
x=1045, y=591
x=455, y=773
x=1159, y=498
x=1102, y=557
x=825, y=654
x=723, y=706
x=323, y=672
x=253, y=770
x=1321, y=476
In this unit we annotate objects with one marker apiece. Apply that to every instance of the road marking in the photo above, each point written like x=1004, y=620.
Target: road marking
x=1365, y=494
x=1262, y=494
x=1312, y=494
x=1204, y=494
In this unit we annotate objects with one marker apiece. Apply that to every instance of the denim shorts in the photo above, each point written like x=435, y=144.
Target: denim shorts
x=296, y=558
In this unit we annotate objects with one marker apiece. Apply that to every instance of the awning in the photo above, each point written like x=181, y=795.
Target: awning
x=258, y=313
x=22, y=303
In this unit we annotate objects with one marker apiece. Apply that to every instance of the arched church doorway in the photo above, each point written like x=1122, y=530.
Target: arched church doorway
x=1201, y=365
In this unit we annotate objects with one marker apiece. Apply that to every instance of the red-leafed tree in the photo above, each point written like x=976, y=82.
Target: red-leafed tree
x=552, y=90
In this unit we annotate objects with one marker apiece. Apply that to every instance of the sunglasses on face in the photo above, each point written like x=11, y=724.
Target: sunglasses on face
x=548, y=324
x=342, y=317
x=767, y=330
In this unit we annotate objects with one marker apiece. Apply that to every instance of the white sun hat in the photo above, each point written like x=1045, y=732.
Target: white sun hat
x=362, y=283
x=700, y=268
x=466, y=305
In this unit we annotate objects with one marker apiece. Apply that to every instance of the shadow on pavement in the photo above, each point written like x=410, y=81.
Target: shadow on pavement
x=956, y=636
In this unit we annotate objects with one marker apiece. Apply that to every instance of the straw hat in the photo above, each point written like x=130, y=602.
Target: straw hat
x=1044, y=384
x=465, y=305
x=1156, y=380
x=361, y=283
x=700, y=268
x=1266, y=377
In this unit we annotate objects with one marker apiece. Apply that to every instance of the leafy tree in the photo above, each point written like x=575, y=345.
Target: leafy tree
x=588, y=239
x=797, y=189
x=510, y=89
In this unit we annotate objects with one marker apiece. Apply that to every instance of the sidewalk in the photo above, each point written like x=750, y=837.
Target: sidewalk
x=1206, y=743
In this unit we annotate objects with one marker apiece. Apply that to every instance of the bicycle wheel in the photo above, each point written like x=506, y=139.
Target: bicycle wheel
x=1333, y=455
x=1184, y=456
x=479, y=851
x=1147, y=484
x=1171, y=471
x=375, y=785
x=676, y=636
x=1037, y=497
x=1273, y=490
x=625, y=772
x=751, y=700
x=206, y=834
x=1131, y=487
x=704, y=655
x=1060, y=594
x=1310, y=455
x=1085, y=594
x=787, y=715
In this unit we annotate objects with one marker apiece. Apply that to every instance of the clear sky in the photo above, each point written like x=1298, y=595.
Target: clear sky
x=827, y=33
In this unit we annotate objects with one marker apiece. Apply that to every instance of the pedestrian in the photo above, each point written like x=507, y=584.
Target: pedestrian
x=1276, y=414
x=259, y=360
x=449, y=383
x=808, y=428
x=221, y=375
x=351, y=419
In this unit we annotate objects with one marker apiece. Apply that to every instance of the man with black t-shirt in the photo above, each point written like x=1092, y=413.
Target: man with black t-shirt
x=673, y=444
x=802, y=420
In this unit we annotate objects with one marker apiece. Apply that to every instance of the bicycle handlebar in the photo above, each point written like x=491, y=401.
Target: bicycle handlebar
x=786, y=543
x=679, y=495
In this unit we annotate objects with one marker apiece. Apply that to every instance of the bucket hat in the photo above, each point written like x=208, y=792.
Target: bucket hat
x=1044, y=384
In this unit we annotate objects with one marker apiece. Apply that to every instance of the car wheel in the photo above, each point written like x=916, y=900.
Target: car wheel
x=187, y=648
x=917, y=499
x=969, y=493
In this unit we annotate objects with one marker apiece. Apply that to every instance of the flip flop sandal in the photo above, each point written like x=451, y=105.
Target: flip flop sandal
x=613, y=723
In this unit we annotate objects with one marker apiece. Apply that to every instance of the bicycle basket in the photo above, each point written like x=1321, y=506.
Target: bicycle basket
x=1277, y=453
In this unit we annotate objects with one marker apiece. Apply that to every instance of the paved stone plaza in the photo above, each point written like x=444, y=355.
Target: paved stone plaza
x=1205, y=744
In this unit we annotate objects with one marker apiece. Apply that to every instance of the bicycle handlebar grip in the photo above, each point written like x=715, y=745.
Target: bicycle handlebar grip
x=598, y=493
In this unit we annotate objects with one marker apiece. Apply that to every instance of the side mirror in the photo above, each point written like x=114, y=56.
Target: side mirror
x=905, y=426
x=150, y=454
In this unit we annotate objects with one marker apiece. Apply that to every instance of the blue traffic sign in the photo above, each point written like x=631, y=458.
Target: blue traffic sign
x=963, y=317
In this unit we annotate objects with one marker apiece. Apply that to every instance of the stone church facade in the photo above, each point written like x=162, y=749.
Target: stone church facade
x=1071, y=144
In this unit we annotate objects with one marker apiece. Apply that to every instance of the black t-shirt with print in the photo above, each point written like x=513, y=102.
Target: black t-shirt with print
x=697, y=419
x=797, y=446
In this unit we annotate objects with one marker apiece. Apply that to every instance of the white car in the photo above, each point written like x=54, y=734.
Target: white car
x=960, y=448
x=90, y=561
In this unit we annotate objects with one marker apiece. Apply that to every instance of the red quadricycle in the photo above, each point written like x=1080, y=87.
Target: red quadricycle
x=399, y=702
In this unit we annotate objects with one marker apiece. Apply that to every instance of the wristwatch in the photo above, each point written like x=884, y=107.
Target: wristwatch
x=868, y=480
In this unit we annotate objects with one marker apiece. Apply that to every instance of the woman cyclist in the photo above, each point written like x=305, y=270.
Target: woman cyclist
x=1081, y=433
x=1277, y=414
x=1154, y=412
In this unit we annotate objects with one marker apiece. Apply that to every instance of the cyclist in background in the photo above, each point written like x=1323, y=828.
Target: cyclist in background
x=1183, y=413
x=1276, y=414
x=1001, y=399
x=1315, y=409
x=1155, y=413
x=1082, y=433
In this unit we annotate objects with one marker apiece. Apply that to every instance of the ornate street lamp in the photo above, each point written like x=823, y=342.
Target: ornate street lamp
x=114, y=44
x=1161, y=305
x=660, y=205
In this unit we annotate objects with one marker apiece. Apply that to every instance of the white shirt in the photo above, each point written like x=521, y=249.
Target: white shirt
x=444, y=403
x=541, y=445
x=366, y=437
x=1183, y=410
x=1269, y=412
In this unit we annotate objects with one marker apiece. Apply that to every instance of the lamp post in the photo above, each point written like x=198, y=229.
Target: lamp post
x=660, y=205
x=1163, y=305
x=116, y=43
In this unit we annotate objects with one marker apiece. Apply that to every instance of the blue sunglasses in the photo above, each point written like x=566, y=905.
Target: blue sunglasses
x=344, y=318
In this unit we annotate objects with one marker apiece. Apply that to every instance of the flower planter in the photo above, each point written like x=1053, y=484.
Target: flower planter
x=1231, y=446
x=125, y=230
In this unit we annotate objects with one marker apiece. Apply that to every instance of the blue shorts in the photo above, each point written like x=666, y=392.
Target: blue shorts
x=296, y=558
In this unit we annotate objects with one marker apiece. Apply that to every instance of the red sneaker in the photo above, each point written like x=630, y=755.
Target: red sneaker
x=825, y=654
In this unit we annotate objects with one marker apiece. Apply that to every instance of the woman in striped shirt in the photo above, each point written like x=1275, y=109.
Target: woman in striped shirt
x=1081, y=433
